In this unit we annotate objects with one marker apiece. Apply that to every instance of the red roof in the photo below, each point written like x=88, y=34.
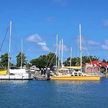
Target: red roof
x=104, y=64
x=96, y=62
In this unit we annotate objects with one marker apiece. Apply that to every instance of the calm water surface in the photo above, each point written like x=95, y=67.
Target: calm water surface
x=54, y=94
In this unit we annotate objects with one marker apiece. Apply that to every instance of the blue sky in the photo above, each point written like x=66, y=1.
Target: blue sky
x=38, y=22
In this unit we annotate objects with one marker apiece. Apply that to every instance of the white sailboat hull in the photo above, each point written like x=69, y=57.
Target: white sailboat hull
x=16, y=74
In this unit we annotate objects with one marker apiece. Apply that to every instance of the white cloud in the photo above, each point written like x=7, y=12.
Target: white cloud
x=41, y=43
x=65, y=48
x=84, y=48
x=82, y=42
x=45, y=48
x=87, y=44
x=86, y=41
x=82, y=39
x=106, y=42
x=91, y=42
x=36, y=38
x=104, y=47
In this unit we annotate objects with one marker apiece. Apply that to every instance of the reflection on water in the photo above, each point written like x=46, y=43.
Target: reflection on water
x=13, y=81
x=76, y=82
x=74, y=87
x=54, y=94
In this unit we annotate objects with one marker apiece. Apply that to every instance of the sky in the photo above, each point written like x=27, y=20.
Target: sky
x=38, y=22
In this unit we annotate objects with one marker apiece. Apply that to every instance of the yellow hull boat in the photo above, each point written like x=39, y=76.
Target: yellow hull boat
x=3, y=72
x=76, y=78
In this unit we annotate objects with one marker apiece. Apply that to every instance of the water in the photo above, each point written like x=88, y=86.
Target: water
x=54, y=94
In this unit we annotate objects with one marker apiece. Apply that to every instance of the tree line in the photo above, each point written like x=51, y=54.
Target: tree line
x=43, y=61
x=20, y=57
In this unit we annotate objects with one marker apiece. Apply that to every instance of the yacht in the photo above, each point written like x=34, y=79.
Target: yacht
x=75, y=73
x=15, y=74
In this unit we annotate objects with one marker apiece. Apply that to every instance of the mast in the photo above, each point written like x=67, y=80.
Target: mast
x=10, y=36
x=56, y=51
x=62, y=52
x=21, y=53
x=59, y=54
x=70, y=56
x=80, y=46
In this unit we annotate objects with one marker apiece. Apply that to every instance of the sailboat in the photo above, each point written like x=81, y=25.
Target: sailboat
x=77, y=73
x=12, y=72
x=19, y=73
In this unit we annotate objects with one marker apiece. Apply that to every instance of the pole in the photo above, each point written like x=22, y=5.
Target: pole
x=80, y=46
x=56, y=51
x=62, y=52
x=59, y=58
x=10, y=36
x=21, y=53
x=70, y=56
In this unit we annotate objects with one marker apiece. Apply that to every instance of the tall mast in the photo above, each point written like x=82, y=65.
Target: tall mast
x=62, y=52
x=59, y=54
x=70, y=56
x=21, y=53
x=80, y=46
x=57, y=51
x=10, y=36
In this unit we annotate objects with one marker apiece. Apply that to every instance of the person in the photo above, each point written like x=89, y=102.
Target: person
x=42, y=71
x=48, y=73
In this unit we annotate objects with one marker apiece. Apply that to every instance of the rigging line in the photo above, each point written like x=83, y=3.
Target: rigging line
x=4, y=38
x=47, y=61
x=87, y=47
x=51, y=60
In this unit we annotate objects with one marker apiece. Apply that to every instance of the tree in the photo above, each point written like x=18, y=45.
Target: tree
x=104, y=60
x=51, y=60
x=76, y=60
x=4, y=61
x=39, y=62
x=44, y=61
x=28, y=65
x=18, y=59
